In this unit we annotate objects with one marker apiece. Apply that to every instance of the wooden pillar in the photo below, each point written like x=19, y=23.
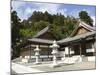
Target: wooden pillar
x=30, y=50
x=94, y=45
x=48, y=51
x=83, y=46
x=80, y=49
x=69, y=51
x=39, y=47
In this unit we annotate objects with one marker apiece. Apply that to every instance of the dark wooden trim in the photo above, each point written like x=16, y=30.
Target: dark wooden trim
x=69, y=51
x=80, y=49
x=30, y=50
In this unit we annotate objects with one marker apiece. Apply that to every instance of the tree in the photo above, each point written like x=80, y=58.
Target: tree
x=58, y=19
x=15, y=32
x=83, y=15
x=26, y=33
x=15, y=27
x=47, y=17
x=56, y=31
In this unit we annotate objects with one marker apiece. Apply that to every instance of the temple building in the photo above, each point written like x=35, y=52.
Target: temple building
x=82, y=41
x=44, y=39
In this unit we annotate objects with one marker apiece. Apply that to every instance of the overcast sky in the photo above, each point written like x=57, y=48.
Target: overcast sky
x=25, y=9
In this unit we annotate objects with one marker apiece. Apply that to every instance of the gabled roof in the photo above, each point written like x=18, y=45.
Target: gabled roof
x=69, y=39
x=42, y=32
x=84, y=25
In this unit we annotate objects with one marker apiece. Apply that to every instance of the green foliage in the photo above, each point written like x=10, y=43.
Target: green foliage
x=38, y=16
x=58, y=19
x=26, y=33
x=70, y=24
x=40, y=25
x=30, y=30
x=56, y=31
x=15, y=27
x=85, y=17
x=61, y=26
x=15, y=33
x=65, y=29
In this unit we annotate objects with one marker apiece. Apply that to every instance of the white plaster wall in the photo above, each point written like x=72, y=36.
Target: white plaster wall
x=91, y=58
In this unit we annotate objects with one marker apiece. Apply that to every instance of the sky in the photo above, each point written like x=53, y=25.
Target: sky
x=25, y=9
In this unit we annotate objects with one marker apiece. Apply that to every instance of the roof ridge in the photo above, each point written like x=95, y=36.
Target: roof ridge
x=84, y=24
x=42, y=31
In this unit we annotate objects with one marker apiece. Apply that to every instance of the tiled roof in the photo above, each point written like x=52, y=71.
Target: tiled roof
x=38, y=40
x=76, y=37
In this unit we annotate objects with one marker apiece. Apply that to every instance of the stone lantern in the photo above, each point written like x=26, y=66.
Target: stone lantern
x=54, y=47
x=37, y=54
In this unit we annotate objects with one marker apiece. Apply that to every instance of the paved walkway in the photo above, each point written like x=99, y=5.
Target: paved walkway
x=23, y=69
x=45, y=67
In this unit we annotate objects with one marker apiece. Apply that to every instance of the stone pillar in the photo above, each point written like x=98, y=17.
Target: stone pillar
x=67, y=51
x=54, y=47
x=37, y=54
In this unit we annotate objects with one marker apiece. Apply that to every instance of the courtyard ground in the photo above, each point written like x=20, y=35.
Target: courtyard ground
x=21, y=68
